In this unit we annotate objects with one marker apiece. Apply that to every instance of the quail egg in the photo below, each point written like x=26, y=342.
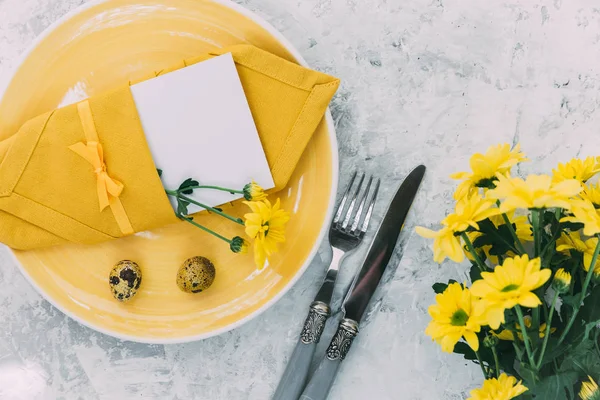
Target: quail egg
x=195, y=275
x=125, y=279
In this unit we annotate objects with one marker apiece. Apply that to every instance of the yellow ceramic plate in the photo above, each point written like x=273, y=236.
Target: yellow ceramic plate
x=95, y=49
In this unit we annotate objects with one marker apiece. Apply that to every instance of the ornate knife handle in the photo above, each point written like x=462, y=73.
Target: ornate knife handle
x=293, y=379
x=323, y=378
x=342, y=340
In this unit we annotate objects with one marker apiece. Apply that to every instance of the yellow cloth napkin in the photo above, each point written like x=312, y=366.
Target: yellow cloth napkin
x=84, y=173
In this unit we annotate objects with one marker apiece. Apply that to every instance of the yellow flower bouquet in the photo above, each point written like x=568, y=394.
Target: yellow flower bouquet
x=530, y=317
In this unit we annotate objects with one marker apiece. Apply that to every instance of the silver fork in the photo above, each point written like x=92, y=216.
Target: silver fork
x=347, y=230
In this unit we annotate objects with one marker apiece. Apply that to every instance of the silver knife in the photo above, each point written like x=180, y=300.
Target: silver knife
x=363, y=287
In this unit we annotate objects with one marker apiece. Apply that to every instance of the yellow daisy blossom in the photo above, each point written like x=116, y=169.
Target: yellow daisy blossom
x=266, y=225
x=511, y=284
x=592, y=194
x=589, y=390
x=535, y=192
x=454, y=316
x=470, y=210
x=570, y=241
x=584, y=212
x=484, y=167
x=446, y=244
x=510, y=335
x=573, y=241
x=588, y=254
x=581, y=170
x=504, y=388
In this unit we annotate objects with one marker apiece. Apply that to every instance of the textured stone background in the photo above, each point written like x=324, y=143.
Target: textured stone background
x=428, y=81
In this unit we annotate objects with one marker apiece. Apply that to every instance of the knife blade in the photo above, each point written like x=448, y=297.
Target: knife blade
x=382, y=248
x=364, y=285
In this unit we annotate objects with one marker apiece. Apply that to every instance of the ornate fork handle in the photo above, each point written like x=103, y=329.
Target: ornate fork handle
x=315, y=322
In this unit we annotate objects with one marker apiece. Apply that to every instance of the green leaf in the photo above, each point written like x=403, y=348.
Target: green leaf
x=559, y=258
x=506, y=357
x=584, y=359
x=554, y=350
x=188, y=183
x=572, y=226
x=468, y=353
x=555, y=387
x=182, y=207
x=528, y=375
x=571, y=301
x=499, y=238
x=441, y=287
x=474, y=273
x=590, y=311
x=159, y=171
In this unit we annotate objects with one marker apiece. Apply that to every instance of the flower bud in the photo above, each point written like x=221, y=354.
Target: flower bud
x=490, y=341
x=253, y=192
x=562, y=281
x=239, y=245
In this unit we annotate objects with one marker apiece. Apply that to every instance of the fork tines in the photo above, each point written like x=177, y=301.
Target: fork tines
x=351, y=219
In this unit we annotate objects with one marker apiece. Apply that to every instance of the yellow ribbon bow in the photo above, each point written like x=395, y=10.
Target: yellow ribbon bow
x=108, y=189
x=105, y=185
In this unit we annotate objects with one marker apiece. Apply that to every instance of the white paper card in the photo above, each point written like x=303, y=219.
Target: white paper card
x=198, y=125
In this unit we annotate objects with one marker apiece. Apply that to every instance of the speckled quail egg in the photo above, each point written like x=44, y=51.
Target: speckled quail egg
x=125, y=280
x=195, y=275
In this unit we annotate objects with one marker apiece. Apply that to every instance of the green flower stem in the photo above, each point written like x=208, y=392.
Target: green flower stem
x=485, y=374
x=518, y=350
x=548, y=329
x=472, y=250
x=197, y=225
x=222, y=189
x=511, y=228
x=495, y=353
x=211, y=209
x=535, y=322
x=584, y=289
x=525, y=335
x=537, y=234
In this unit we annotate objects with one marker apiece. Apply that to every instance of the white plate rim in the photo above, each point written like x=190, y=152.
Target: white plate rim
x=332, y=195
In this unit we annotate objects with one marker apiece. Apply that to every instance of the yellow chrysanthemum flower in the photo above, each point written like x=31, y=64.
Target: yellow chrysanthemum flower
x=589, y=390
x=470, y=210
x=446, y=244
x=573, y=241
x=581, y=170
x=592, y=194
x=510, y=284
x=254, y=192
x=266, y=225
x=510, y=335
x=584, y=212
x=562, y=281
x=504, y=388
x=570, y=241
x=454, y=316
x=484, y=167
x=535, y=192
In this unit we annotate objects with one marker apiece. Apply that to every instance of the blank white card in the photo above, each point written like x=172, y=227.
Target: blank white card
x=198, y=125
